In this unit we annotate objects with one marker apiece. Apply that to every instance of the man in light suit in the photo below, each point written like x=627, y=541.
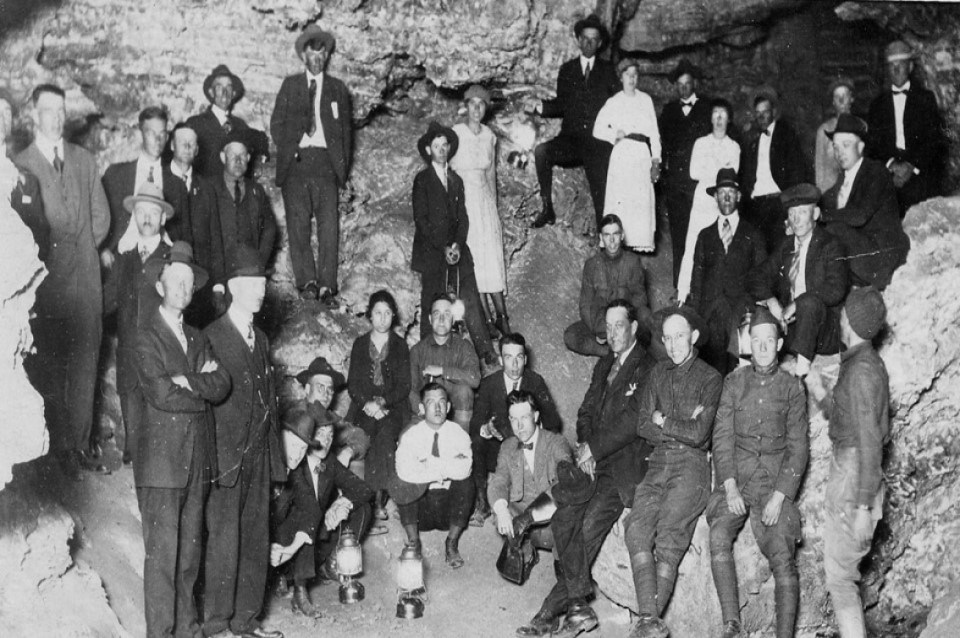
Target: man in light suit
x=249, y=458
x=312, y=128
x=177, y=457
x=69, y=307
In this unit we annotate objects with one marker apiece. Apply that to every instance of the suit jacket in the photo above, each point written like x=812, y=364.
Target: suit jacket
x=922, y=132
x=76, y=209
x=678, y=132
x=291, y=120
x=725, y=276
x=28, y=202
x=491, y=401
x=246, y=419
x=507, y=482
x=174, y=416
x=119, y=182
x=578, y=102
x=396, y=378
x=787, y=163
x=210, y=136
x=607, y=421
x=440, y=218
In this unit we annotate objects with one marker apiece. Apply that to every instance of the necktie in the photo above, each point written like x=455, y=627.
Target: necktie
x=227, y=127
x=144, y=254
x=726, y=234
x=899, y=92
x=313, y=109
x=516, y=385
x=318, y=468
x=844, y=193
x=527, y=446
x=586, y=73
x=57, y=160
x=237, y=194
x=435, y=450
x=614, y=369
x=150, y=175
x=795, y=269
x=181, y=336
x=251, y=338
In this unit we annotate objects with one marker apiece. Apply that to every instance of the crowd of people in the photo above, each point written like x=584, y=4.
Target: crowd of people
x=690, y=409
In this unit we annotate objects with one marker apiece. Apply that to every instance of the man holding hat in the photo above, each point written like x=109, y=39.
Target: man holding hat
x=861, y=209
x=725, y=255
x=760, y=442
x=312, y=126
x=804, y=281
x=134, y=298
x=681, y=123
x=906, y=131
x=859, y=429
x=223, y=90
x=583, y=86
x=248, y=455
x=176, y=458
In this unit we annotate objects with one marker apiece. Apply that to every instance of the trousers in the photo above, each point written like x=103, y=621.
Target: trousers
x=311, y=193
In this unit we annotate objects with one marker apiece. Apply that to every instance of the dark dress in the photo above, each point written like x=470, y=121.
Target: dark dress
x=395, y=390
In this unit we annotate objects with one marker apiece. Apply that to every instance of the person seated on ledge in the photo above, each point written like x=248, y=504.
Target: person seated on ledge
x=434, y=489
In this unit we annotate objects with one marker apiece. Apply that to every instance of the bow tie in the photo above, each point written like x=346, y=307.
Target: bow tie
x=900, y=91
x=527, y=446
x=687, y=102
x=766, y=132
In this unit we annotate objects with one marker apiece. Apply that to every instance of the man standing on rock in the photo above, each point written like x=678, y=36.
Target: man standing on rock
x=583, y=86
x=760, y=454
x=312, y=126
x=859, y=428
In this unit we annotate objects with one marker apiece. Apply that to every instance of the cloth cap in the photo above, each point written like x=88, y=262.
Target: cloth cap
x=726, y=177
x=314, y=36
x=320, y=366
x=898, y=50
x=800, y=195
x=762, y=316
x=866, y=311
x=219, y=72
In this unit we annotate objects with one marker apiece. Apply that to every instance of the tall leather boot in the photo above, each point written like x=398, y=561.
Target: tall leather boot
x=481, y=507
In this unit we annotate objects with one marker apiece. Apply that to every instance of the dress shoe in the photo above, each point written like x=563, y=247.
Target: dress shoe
x=259, y=632
x=479, y=517
x=326, y=572
x=310, y=292
x=452, y=554
x=91, y=463
x=302, y=604
x=540, y=625
x=731, y=629
x=650, y=627
x=546, y=216
x=580, y=618
x=329, y=299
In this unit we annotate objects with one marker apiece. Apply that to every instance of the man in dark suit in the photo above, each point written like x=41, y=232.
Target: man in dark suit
x=906, y=132
x=773, y=162
x=69, y=307
x=440, y=251
x=804, y=282
x=725, y=256
x=610, y=451
x=176, y=458
x=25, y=196
x=249, y=458
x=312, y=127
x=490, y=423
x=224, y=89
x=583, y=86
x=124, y=179
x=681, y=122
x=860, y=210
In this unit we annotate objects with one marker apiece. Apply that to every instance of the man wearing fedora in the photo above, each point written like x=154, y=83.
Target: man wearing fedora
x=860, y=210
x=248, y=458
x=907, y=132
x=725, y=255
x=134, y=297
x=312, y=127
x=859, y=429
x=583, y=86
x=676, y=412
x=223, y=90
x=176, y=459
x=681, y=123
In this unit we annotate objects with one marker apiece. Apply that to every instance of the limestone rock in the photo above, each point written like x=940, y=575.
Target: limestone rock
x=944, y=616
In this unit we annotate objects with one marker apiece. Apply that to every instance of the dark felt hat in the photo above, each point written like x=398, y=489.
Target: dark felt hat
x=591, y=22
x=244, y=261
x=302, y=424
x=847, y=123
x=866, y=311
x=320, y=366
x=435, y=130
x=222, y=71
x=685, y=311
x=800, y=195
x=686, y=67
x=151, y=193
x=314, y=36
x=574, y=486
x=725, y=177
x=240, y=136
x=180, y=253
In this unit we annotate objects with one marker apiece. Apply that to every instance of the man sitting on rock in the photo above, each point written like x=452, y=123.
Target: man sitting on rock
x=614, y=273
x=676, y=413
x=760, y=453
x=320, y=383
x=434, y=489
x=804, y=281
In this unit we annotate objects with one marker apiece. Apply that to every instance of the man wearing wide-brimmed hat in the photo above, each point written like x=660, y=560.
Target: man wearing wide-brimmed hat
x=312, y=127
x=223, y=89
x=176, y=459
x=907, y=131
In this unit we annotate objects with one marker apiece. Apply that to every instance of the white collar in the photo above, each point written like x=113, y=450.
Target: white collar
x=240, y=319
x=318, y=77
x=176, y=170
x=313, y=461
x=46, y=146
x=689, y=102
x=220, y=114
x=626, y=353
x=175, y=322
x=441, y=171
x=150, y=243
x=851, y=174
x=585, y=61
x=533, y=439
x=733, y=218
x=509, y=383
x=145, y=160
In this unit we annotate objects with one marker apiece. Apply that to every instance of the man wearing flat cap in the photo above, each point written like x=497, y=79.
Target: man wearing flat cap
x=681, y=123
x=907, y=131
x=248, y=456
x=859, y=429
x=861, y=209
x=760, y=440
x=804, y=281
x=312, y=126
x=583, y=86
x=223, y=90
x=176, y=458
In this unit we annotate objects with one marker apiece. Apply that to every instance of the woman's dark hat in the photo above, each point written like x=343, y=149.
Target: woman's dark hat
x=686, y=67
x=222, y=71
x=180, y=253
x=574, y=486
x=320, y=366
x=316, y=37
x=726, y=177
x=435, y=130
x=592, y=22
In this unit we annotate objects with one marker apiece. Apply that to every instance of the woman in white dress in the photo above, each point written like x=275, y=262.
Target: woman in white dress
x=476, y=163
x=628, y=121
x=825, y=163
x=710, y=153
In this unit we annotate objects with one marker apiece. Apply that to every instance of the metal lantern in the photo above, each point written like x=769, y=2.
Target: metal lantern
x=410, y=584
x=349, y=565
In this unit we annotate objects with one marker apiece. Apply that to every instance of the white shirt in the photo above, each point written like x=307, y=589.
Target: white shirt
x=312, y=462
x=765, y=184
x=317, y=139
x=148, y=245
x=800, y=248
x=733, y=218
x=46, y=146
x=176, y=324
x=899, y=104
x=244, y=324
x=848, y=178
x=584, y=62
x=441, y=172
x=528, y=455
x=220, y=114
x=416, y=464
x=510, y=384
x=185, y=175
x=144, y=164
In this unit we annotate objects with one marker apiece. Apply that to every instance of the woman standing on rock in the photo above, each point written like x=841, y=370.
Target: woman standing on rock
x=710, y=153
x=628, y=121
x=826, y=166
x=379, y=386
x=476, y=163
